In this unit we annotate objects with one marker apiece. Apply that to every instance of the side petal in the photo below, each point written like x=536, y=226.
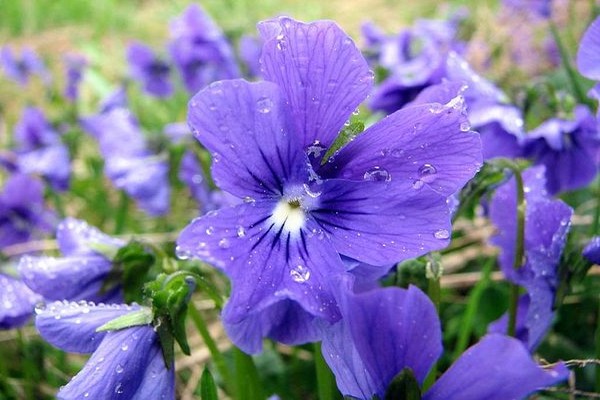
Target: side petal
x=158, y=382
x=588, y=56
x=244, y=125
x=16, y=302
x=117, y=367
x=380, y=223
x=497, y=368
x=72, y=326
x=320, y=70
x=75, y=237
x=425, y=145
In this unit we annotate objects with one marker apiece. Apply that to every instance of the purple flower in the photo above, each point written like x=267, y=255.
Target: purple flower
x=23, y=214
x=592, y=250
x=588, y=56
x=82, y=271
x=19, y=70
x=40, y=150
x=539, y=8
x=379, y=200
x=384, y=331
x=200, y=50
x=567, y=148
x=547, y=222
x=75, y=65
x=125, y=363
x=132, y=168
x=250, y=48
x=16, y=302
x=149, y=70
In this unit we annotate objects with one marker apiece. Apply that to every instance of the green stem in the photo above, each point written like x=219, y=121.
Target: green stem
x=571, y=73
x=519, y=252
x=596, y=221
x=597, y=371
x=216, y=355
x=121, y=212
x=434, y=290
x=325, y=378
x=247, y=381
x=471, y=310
x=58, y=204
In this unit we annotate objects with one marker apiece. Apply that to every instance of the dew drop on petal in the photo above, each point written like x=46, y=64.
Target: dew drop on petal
x=241, y=232
x=210, y=230
x=441, y=234
x=418, y=184
x=427, y=169
x=181, y=253
x=224, y=243
x=465, y=126
x=124, y=347
x=119, y=369
x=311, y=192
x=264, y=105
x=300, y=274
x=377, y=174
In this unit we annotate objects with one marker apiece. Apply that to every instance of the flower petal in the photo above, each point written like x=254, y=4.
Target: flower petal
x=65, y=278
x=244, y=125
x=425, y=145
x=72, y=326
x=320, y=70
x=497, y=368
x=158, y=382
x=75, y=237
x=380, y=223
x=16, y=302
x=117, y=367
x=588, y=56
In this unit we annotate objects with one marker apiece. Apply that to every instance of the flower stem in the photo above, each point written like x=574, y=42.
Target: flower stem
x=597, y=370
x=121, y=212
x=247, y=382
x=325, y=379
x=434, y=291
x=596, y=220
x=519, y=251
x=216, y=355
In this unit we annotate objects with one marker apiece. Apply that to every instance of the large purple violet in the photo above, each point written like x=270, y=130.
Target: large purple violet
x=380, y=199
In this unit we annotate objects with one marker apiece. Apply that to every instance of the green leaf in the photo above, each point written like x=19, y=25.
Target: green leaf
x=404, y=386
x=140, y=317
x=134, y=260
x=349, y=132
x=208, y=389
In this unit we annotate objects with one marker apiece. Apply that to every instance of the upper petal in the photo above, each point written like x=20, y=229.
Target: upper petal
x=426, y=145
x=244, y=125
x=72, y=326
x=588, y=56
x=320, y=70
x=76, y=237
x=497, y=368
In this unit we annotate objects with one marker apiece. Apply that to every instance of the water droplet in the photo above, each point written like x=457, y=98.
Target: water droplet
x=40, y=308
x=119, y=388
x=264, y=105
x=210, y=230
x=311, y=192
x=124, y=347
x=182, y=254
x=119, y=369
x=427, y=169
x=377, y=174
x=241, y=232
x=397, y=153
x=436, y=108
x=249, y=199
x=465, y=126
x=300, y=274
x=441, y=234
x=315, y=149
x=224, y=243
x=418, y=184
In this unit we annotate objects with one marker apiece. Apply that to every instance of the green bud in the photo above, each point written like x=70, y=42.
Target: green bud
x=404, y=386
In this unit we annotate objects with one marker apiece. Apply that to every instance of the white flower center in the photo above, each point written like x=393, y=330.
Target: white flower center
x=289, y=215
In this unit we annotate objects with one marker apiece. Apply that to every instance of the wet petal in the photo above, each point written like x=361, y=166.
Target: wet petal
x=72, y=326
x=588, y=56
x=497, y=368
x=16, y=302
x=117, y=367
x=244, y=126
x=426, y=145
x=158, y=382
x=320, y=70
x=75, y=237
x=380, y=223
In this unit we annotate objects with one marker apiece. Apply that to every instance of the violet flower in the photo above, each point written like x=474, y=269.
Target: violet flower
x=200, y=50
x=82, y=271
x=384, y=331
x=20, y=69
x=592, y=250
x=40, y=149
x=23, y=214
x=131, y=168
x=380, y=199
x=536, y=8
x=16, y=302
x=588, y=56
x=568, y=149
x=149, y=70
x=547, y=222
x=75, y=65
x=126, y=363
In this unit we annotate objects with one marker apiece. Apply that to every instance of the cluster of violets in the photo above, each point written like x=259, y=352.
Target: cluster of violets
x=303, y=233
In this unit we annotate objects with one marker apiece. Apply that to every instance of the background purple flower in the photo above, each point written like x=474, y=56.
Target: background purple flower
x=149, y=70
x=20, y=69
x=125, y=363
x=75, y=65
x=547, y=223
x=16, y=302
x=200, y=50
x=569, y=149
x=588, y=56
